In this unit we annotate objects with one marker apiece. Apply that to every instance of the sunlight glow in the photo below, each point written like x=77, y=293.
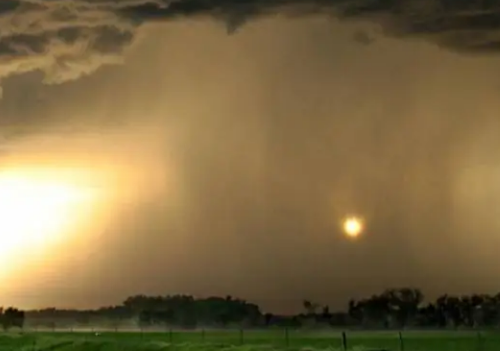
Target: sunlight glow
x=353, y=227
x=37, y=209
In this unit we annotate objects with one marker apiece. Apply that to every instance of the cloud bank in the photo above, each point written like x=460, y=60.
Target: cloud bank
x=67, y=39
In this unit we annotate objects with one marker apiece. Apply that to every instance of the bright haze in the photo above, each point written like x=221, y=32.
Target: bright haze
x=216, y=147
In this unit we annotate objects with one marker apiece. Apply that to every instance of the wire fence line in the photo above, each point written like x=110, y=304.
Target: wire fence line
x=279, y=336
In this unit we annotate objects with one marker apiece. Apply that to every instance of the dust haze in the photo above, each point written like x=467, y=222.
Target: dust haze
x=241, y=154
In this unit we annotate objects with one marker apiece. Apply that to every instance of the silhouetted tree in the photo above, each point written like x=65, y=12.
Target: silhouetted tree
x=310, y=307
x=186, y=311
x=11, y=317
x=403, y=303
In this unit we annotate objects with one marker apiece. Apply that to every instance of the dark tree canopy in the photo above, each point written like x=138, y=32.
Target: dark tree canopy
x=11, y=317
x=392, y=308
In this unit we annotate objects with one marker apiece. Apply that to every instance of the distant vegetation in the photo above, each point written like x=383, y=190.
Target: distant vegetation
x=11, y=317
x=391, y=309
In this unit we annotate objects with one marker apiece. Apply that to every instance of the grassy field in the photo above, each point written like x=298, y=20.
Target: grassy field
x=250, y=340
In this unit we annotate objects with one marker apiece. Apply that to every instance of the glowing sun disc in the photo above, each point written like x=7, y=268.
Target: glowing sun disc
x=353, y=227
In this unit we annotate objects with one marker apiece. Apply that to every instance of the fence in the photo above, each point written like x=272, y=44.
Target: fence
x=432, y=340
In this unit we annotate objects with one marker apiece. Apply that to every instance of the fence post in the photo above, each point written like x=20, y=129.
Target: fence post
x=170, y=336
x=479, y=341
x=203, y=335
x=287, y=337
x=344, y=341
x=241, y=336
x=401, y=342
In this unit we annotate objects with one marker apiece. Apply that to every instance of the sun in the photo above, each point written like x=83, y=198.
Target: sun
x=353, y=226
x=35, y=210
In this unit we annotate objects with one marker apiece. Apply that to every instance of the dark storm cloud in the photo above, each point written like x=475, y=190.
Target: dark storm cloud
x=454, y=24
x=66, y=39
x=62, y=39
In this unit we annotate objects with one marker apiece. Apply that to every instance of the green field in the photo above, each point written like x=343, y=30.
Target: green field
x=275, y=340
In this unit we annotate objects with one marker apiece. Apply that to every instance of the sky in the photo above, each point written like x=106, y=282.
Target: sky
x=227, y=140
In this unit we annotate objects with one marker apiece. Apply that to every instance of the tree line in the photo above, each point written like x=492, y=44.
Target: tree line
x=11, y=317
x=392, y=308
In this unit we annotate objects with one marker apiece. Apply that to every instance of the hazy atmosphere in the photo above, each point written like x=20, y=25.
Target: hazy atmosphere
x=207, y=157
